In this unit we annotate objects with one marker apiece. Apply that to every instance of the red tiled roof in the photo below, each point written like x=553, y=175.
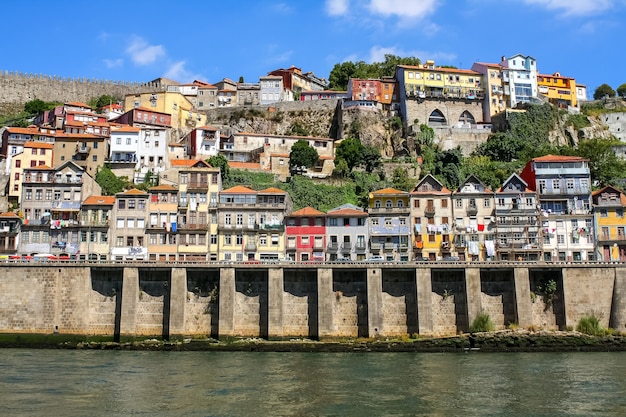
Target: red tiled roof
x=272, y=190
x=9, y=214
x=105, y=200
x=183, y=162
x=133, y=191
x=559, y=158
x=239, y=189
x=388, y=191
x=244, y=165
x=163, y=187
x=306, y=212
x=43, y=167
x=38, y=145
x=126, y=129
x=347, y=212
x=23, y=130
x=78, y=104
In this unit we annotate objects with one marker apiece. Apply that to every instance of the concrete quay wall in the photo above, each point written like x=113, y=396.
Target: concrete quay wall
x=303, y=301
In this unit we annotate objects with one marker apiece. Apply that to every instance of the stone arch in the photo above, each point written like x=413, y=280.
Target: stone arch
x=436, y=118
x=466, y=118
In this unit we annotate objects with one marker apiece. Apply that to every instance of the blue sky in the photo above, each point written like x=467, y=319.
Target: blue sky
x=141, y=40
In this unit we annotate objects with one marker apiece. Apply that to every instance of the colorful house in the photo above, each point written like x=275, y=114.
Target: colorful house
x=474, y=229
x=306, y=235
x=518, y=225
x=608, y=208
x=128, y=226
x=563, y=186
x=431, y=212
x=10, y=224
x=389, y=226
x=95, y=216
x=162, y=226
x=347, y=233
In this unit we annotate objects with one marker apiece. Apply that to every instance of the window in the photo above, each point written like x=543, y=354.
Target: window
x=603, y=213
x=388, y=204
x=213, y=239
x=304, y=240
x=487, y=203
x=374, y=222
x=228, y=239
x=458, y=203
x=121, y=204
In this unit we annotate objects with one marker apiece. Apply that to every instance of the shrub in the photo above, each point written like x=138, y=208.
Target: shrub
x=590, y=325
x=482, y=323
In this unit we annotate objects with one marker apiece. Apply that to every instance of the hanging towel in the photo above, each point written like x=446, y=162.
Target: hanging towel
x=490, y=247
x=481, y=227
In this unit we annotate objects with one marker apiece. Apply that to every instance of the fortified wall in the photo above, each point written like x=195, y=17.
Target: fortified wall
x=319, y=302
x=17, y=88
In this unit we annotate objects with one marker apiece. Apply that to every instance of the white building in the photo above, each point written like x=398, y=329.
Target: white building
x=519, y=78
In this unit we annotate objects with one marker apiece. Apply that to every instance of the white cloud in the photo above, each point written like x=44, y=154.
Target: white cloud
x=337, y=7
x=113, y=63
x=404, y=9
x=142, y=53
x=178, y=72
x=574, y=7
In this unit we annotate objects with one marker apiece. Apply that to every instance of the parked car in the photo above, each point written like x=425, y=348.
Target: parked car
x=375, y=258
x=451, y=259
x=342, y=259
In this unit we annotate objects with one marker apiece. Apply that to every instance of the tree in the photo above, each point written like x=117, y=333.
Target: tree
x=501, y=147
x=605, y=167
x=400, y=179
x=37, y=106
x=351, y=151
x=109, y=182
x=220, y=161
x=302, y=155
x=103, y=100
x=603, y=90
x=370, y=158
x=621, y=90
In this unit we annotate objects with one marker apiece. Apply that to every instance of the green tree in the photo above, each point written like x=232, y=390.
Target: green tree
x=37, y=106
x=400, y=179
x=302, y=155
x=501, y=147
x=371, y=158
x=605, y=167
x=109, y=182
x=603, y=90
x=351, y=151
x=341, y=169
x=220, y=161
x=621, y=90
x=103, y=100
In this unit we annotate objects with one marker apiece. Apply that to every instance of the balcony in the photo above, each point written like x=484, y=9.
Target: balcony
x=472, y=210
x=83, y=149
x=388, y=246
x=94, y=223
x=346, y=247
x=389, y=210
x=250, y=247
x=360, y=247
x=375, y=246
x=271, y=227
x=429, y=211
x=192, y=226
x=333, y=246
x=197, y=186
x=403, y=247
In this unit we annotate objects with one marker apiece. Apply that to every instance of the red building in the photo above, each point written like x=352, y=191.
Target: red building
x=306, y=235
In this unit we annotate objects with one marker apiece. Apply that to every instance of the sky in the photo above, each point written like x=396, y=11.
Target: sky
x=208, y=40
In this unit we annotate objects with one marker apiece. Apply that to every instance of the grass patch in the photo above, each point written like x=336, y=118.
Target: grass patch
x=591, y=325
x=482, y=323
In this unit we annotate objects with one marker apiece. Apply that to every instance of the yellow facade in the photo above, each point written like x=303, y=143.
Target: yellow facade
x=559, y=90
x=431, y=216
x=34, y=154
x=184, y=115
x=161, y=227
x=609, y=205
x=430, y=81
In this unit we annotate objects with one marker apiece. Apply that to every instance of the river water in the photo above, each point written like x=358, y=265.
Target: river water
x=139, y=383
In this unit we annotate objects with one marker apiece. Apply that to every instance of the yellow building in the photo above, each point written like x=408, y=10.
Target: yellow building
x=161, y=230
x=560, y=91
x=429, y=81
x=608, y=208
x=198, y=186
x=95, y=217
x=251, y=225
x=34, y=154
x=431, y=214
x=184, y=115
